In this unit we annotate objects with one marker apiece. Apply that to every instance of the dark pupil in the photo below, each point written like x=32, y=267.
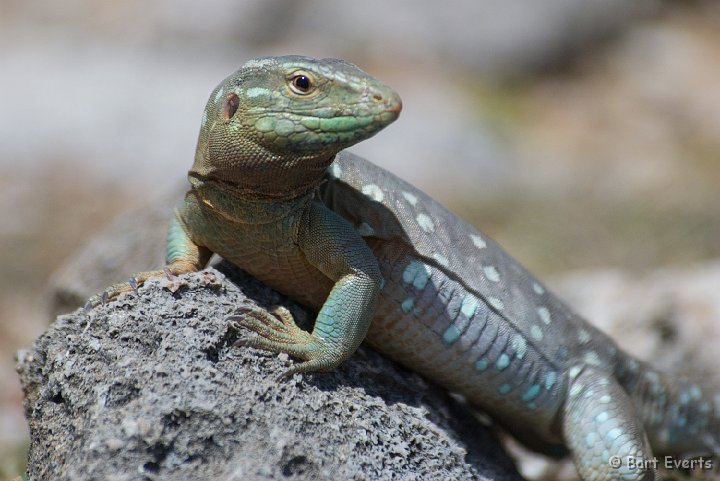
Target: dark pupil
x=302, y=83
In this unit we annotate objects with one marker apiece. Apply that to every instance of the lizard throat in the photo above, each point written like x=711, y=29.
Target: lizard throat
x=238, y=207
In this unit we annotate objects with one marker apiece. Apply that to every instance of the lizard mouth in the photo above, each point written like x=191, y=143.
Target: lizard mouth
x=327, y=127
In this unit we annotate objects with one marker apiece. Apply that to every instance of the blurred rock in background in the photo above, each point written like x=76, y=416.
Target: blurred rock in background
x=581, y=134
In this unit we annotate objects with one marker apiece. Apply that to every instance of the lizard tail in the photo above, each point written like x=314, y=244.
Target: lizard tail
x=681, y=417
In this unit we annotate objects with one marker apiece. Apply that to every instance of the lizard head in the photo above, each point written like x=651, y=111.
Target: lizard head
x=279, y=121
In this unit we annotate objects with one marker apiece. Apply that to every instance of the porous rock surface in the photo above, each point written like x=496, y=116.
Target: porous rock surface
x=150, y=387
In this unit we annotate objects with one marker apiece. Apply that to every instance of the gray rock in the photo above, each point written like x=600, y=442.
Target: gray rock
x=150, y=387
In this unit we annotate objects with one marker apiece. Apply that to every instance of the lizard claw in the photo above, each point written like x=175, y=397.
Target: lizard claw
x=307, y=366
x=287, y=375
x=266, y=326
x=95, y=301
x=168, y=273
x=99, y=299
x=114, y=291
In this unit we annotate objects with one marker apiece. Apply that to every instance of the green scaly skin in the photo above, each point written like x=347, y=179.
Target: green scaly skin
x=381, y=261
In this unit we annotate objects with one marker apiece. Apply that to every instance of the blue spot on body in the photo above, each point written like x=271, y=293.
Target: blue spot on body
x=606, y=456
x=502, y=362
x=425, y=223
x=505, y=388
x=544, y=314
x=451, y=334
x=478, y=241
x=550, y=379
x=407, y=305
x=491, y=273
x=602, y=417
x=496, y=303
x=613, y=434
x=520, y=346
x=531, y=393
x=417, y=274
x=374, y=192
x=592, y=358
x=335, y=169
x=469, y=305
x=481, y=364
x=536, y=332
x=575, y=390
x=412, y=198
x=441, y=259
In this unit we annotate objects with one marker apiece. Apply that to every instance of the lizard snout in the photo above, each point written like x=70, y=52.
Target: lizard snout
x=387, y=98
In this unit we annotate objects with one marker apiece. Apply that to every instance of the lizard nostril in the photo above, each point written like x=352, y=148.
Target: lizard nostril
x=377, y=97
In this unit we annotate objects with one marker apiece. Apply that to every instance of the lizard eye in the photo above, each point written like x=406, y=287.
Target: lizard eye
x=301, y=84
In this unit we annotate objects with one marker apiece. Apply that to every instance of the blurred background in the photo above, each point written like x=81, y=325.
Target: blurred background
x=580, y=134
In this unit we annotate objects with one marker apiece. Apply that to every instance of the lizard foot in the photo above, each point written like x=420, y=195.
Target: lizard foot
x=277, y=332
x=114, y=291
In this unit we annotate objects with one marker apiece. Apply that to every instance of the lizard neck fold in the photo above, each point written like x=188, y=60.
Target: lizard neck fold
x=239, y=207
x=256, y=171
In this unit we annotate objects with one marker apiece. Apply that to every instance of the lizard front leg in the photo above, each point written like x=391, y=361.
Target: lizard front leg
x=183, y=256
x=331, y=245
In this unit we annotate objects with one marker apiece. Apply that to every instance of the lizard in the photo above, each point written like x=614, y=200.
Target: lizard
x=273, y=191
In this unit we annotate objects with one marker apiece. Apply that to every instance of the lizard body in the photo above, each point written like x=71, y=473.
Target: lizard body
x=273, y=192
